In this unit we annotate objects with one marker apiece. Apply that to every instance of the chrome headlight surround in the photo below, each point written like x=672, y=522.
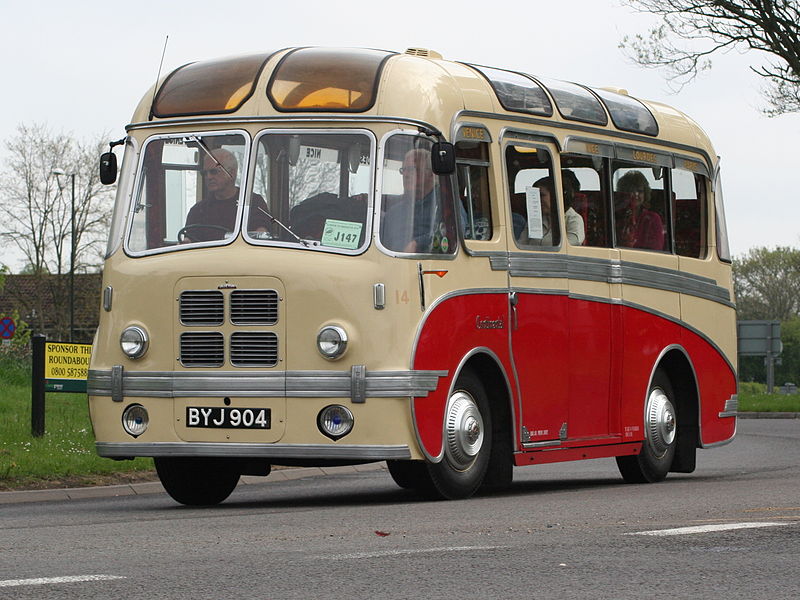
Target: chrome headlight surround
x=332, y=342
x=135, y=420
x=134, y=342
x=335, y=421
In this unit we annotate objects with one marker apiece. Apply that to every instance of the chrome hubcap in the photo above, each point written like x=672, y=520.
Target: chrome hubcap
x=661, y=426
x=463, y=430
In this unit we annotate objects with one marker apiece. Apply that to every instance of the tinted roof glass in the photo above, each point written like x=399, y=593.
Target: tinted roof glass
x=516, y=92
x=208, y=87
x=574, y=102
x=628, y=113
x=327, y=79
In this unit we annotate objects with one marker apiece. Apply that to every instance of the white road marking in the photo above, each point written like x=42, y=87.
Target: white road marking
x=49, y=580
x=707, y=528
x=382, y=553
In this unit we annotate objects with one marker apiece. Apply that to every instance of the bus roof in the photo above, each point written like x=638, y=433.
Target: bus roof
x=417, y=84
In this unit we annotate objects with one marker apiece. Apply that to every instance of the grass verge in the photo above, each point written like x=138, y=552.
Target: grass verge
x=763, y=402
x=65, y=456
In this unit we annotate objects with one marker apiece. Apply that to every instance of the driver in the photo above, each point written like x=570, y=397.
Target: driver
x=215, y=215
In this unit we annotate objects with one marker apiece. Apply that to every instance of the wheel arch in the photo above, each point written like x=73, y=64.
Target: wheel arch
x=486, y=365
x=677, y=364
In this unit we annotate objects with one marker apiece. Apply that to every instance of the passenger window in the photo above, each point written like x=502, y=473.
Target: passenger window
x=534, y=208
x=689, y=213
x=417, y=208
x=473, y=189
x=640, y=208
x=582, y=179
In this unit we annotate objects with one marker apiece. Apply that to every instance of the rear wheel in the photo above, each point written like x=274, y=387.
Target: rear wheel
x=658, y=450
x=197, y=481
x=468, y=441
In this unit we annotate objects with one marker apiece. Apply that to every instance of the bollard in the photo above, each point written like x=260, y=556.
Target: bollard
x=37, y=385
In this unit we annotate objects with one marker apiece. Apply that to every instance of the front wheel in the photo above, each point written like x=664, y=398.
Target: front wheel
x=658, y=450
x=197, y=481
x=467, y=443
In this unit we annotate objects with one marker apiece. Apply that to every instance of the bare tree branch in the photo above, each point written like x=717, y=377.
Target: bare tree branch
x=693, y=30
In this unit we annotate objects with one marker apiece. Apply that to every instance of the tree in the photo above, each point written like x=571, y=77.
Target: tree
x=767, y=286
x=706, y=27
x=37, y=208
x=767, y=283
x=36, y=202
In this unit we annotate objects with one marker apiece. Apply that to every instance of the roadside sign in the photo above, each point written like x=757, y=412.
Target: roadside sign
x=66, y=366
x=7, y=328
x=759, y=338
x=66, y=361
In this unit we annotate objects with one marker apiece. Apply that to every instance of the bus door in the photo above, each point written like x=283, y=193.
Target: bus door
x=538, y=295
x=594, y=309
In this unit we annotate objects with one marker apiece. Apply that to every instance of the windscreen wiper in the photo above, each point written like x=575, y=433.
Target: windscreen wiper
x=289, y=231
x=205, y=149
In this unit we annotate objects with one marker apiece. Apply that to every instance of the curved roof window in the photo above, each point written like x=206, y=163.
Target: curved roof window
x=516, y=92
x=574, y=102
x=209, y=87
x=327, y=79
x=628, y=113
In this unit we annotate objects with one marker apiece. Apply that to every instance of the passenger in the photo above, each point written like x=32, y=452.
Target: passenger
x=576, y=228
x=637, y=225
x=414, y=223
x=214, y=217
x=574, y=222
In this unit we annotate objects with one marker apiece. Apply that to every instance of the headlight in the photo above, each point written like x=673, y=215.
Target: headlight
x=135, y=420
x=335, y=421
x=332, y=342
x=133, y=342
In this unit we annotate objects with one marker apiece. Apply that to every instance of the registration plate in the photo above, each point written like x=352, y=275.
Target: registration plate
x=226, y=417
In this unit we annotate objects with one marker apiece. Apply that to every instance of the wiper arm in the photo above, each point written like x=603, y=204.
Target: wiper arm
x=289, y=231
x=205, y=149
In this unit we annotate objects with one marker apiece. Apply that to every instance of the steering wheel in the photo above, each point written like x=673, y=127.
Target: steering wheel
x=183, y=230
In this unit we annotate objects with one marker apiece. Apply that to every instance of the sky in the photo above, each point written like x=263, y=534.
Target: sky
x=82, y=67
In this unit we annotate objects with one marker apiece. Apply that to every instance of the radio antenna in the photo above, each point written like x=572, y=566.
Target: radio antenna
x=158, y=76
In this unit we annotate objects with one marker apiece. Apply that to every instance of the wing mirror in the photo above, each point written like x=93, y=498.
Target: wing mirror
x=443, y=158
x=108, y=168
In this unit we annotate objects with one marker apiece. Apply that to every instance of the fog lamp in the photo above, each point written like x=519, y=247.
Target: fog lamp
x=332, y=342
x=133, y=342
x=135, y=420
x=335, y=421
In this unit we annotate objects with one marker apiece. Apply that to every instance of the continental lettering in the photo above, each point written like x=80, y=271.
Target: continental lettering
x=486, y=323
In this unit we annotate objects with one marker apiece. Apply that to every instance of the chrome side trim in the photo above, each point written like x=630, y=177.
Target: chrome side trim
x=534, y=445
x=293, y=384
x=731, y=407
x=233, y=450
x=540, y=265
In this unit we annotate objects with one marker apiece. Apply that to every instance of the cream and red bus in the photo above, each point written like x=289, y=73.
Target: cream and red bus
x=326, y=256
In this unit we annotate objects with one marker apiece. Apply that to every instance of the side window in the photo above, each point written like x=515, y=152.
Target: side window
x=585, y=194
x=472, y=159
x=534, y=208
x=640, y=208
x=689, y=213
x=417, y=207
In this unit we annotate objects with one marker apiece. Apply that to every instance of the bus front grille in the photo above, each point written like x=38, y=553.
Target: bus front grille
x=254, y=349
x=202, y=349
x=254, y=307
x=201, y=307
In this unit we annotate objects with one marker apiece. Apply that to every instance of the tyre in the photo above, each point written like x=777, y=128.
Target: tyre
x=411, y=475
x=467, y=443
x=661, y=428
x=197, y=481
